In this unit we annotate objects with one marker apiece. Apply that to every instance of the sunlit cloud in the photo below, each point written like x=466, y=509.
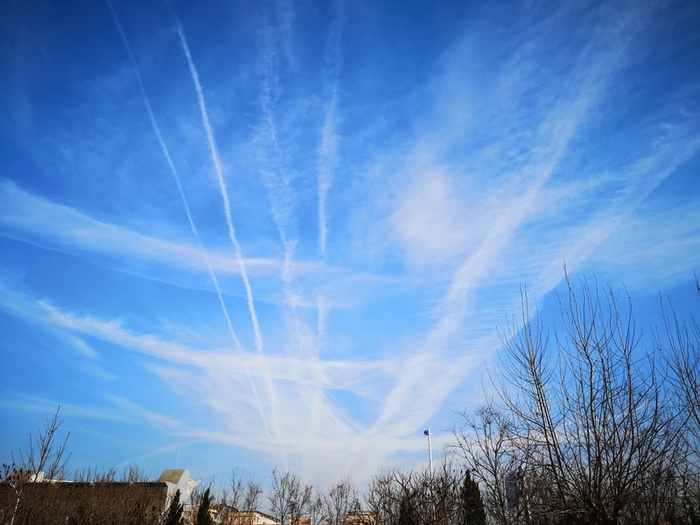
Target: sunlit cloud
x=213, y=376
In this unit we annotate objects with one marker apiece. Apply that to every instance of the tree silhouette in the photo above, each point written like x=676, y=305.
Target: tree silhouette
x=596, y=420
x=407, y=512
x=203, y=516
x=473, y=512
x=174, y=516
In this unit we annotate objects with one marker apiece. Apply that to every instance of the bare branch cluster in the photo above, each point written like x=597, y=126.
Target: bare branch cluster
x=589, y=426
x=448, y=496
x=290, y=499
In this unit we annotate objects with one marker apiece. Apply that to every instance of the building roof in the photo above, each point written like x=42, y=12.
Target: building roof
x=174, y=475
x=178, y=479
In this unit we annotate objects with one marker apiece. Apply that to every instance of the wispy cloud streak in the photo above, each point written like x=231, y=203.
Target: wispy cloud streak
x=328, y=148
x=273, y=164
x=279, y=181
x=50, y=225
x=531, y=172
x=212, y=375
x=173, y=170
x=224, y=191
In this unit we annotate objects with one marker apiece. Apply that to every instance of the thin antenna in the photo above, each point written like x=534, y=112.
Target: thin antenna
x=177, y=461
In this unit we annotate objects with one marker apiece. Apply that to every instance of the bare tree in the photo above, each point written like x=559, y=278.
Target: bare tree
x=317, y=509
x=87, y=503
x=130, y=474
x=237, y=486
x=45, y=458
x=383, y=499
x=681, y=346
x=333, y=506
x=289, y=497
x=340, y=500
x=419, y=497
x=484, y=440
x=241, y=501
x=253, y=493
x=591, y=417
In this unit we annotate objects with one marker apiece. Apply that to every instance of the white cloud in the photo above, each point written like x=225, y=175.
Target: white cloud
x=432, y=218
x=38, y=220
x=447, y=199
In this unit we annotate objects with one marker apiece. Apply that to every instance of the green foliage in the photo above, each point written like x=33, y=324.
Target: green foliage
x=174, y=516
x=203, y=515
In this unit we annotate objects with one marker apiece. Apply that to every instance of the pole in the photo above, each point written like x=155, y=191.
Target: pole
x=430, y=448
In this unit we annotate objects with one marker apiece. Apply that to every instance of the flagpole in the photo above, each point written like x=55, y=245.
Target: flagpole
x=430, y=448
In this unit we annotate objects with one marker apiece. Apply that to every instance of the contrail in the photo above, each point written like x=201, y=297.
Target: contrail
x=326, y=164
x=274, y=169
x=278, y=179
x=173, y=170
x=224, y=193
x=232, y=234
x=328, y=149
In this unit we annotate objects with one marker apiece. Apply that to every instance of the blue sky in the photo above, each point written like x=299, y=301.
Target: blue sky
x=271, y=234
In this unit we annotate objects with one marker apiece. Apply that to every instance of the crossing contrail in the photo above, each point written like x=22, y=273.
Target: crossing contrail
x=273, y=428
x=173, y=170
x=224, y=192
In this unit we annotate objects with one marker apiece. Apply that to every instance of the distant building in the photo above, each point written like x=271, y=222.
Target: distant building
x=228, y=515
x=178, y=479
x=29, y=498
x=254, y=517
x=361, y=518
